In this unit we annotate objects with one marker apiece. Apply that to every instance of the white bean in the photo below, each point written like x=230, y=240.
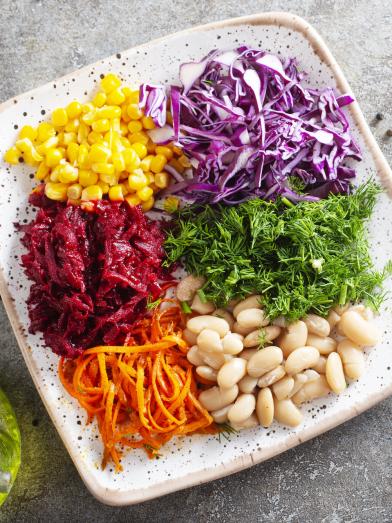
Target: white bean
x=252, y=318
x=265, y=407
x=187, y=287
x=249, y=423
x=231, y=372
x=247, y=384
x=301, y=359
x=220, y=416
x=240, y=329
x=190, y=337
x=312, y=390
x=250, y=302
x=226, y=315
x=311, y=375
x=209, y=341
x=267, y=334
x=271, y=377
x=323, y=345
x=248, y=353
x=352, y=359
x=213, y=359
x=216, y=398
x=294, y=337
x=317, y=325
x=202, y=307
x=360, y=331
x=365, y=312
x=283, y=387
x=207, y=373
x=198, y=323
x=232, y=343
x=264, y=360
x=194, y=357
x=242, y=409
x=299, y=381
x=335, y=374
x=228, y=357
x=333, y=319
x=320, y=365
x=287, y=413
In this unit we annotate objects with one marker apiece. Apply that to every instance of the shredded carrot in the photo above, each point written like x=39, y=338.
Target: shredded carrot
x=141, y=394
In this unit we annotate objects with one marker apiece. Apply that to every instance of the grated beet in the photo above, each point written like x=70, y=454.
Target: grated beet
x=92, y=272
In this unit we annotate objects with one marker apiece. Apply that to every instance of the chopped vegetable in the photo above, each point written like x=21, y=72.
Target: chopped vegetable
x=141, y=394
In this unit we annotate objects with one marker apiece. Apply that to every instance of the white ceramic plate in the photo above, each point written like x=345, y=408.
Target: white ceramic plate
x=188, y=461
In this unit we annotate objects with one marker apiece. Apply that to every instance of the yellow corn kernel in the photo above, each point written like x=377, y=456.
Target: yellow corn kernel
x=135, y=126
x=145, y=193
x=158, y=163
x=42, y=171
x=124, y=187
x=28, y=132
x=73, y=152
x=116, y=126
x=90, y=117
x=116, y=97
x=184, y=161
x=87, y=108
x=93, y=192
x=60, y=137
x=133, y=200
x=59, y=117
x=137, y=180
x=118, y=162
x=115, y=193
x=54, y=174
x=134, y=112
x=53, y=157
x=74, y=191
x=145, y=164
x=150, y=147
x=101, y=126
x=171, y=204
x=99, y=153
x=132, y=160
x=104, y=186
x=110, y=82
x=138, y=138
x=62, y=150
x=56, y=191
x=124, y=114
x=125, y=142
x=87, y=177
x=68, y=138
x=127, y=92
x=67, y=173
x=176, y=165
x=109, y=111
x=99, y=99
x=31, y=155
x=103, y=168
x=133, y=96
x=73, y=109
x=72, y=126
x=12, y=155
x=94, y=137
x=123, y=128
x=161, y=180
x=150, y=178
x=177, y=150
x=50, y=143
x=148, y=122
x=45, y=131
x=83, y=131
x=82, y=158
x=117, y=146
x=109, y=178
x=141, y=149
x=24, y=145
x=166, y=151
x=148, y=204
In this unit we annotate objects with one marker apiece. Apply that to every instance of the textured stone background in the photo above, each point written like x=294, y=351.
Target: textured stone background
x=342, y=476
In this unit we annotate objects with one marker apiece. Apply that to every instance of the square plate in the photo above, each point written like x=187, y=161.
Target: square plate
x=187, y=461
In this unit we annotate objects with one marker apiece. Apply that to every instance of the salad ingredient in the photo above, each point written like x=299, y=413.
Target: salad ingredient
x=334, y=373
x=355, y=327
x=265, y=407
x=242, y=409
x=256, y=130
x=317, y=325
x=142, y=394
x=268, y=248
x=352, y=358
x=92, y=273
x=287, y=413
x=9, y=447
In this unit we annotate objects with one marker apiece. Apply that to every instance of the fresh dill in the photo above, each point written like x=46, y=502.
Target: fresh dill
x=225, y=431
x=151, y=305
x=305, y=257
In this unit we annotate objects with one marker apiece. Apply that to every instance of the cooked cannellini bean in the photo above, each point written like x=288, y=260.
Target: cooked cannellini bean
x=224, y=314
x=362, y=332
x=264, y=360
x=231, y=372
x=301, y=359
x=252, y=302
x=194, y=357
x=242, y=409
x=228, y=357
x=294, y=337
x=220, y=416
x=213, y=359
x=299, y=380
x=209, y=341
x=249, y=423
x=352, y=359
x=333, y=319
x=216, y=398
x=271, y=377
x=187, y=287
x=287, y=413
x=232, y=343
x=198, y=323
x=247, y=384
x=312, y=390
x=190, y=337
x=202, y=307
x=265, y=407
x=266, y=334
x=323, y=345
x=252, y=318
x=207, y=373
x=365, y=312
x=240, y=329
x=317, y=325
x=335, y=374
x=320, y=365
x=283, y=387
x=311, y=374
x=248, y=353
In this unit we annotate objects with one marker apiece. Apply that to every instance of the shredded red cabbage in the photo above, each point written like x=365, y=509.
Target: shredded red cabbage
x=253, y=129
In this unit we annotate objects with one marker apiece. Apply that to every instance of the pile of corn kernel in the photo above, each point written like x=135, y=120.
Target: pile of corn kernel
x=98, y=148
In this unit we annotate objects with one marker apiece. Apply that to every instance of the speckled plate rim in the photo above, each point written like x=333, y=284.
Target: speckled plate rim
x=112, y=496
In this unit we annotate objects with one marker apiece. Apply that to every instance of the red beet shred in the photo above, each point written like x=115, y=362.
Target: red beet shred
x=92, y=272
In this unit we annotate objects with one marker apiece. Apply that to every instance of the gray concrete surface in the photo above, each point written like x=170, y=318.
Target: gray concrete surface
x=342, y=476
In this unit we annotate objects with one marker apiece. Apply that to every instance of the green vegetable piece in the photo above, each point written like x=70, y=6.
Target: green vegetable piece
x=9, y=447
